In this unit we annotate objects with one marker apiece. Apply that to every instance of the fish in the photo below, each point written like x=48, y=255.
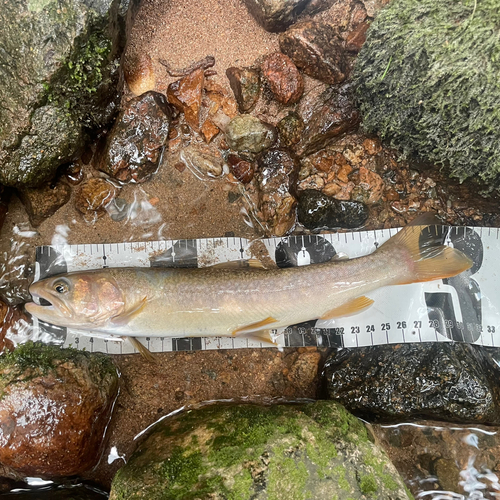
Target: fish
x=237, y=301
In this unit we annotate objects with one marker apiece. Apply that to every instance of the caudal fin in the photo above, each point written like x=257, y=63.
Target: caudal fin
x=429, y=258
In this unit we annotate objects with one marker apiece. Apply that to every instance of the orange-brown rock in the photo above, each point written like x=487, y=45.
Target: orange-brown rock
x=283, y=78
x=94, y=196
x=55, y=406
x=186, y=95
x=209, y=130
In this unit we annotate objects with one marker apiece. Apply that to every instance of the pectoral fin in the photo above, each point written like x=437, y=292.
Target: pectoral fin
x=144, y=351
x=123, y=319
x=254, y=327
x=354, y=306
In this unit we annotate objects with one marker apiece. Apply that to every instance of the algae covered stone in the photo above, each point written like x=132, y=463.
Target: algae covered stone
x=315, y=450
x=427, y=80
x=55, y=405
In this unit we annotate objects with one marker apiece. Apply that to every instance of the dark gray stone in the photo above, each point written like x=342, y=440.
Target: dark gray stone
x=58, y=76
x=317, y=211
x=445, y=381
x=277, y=15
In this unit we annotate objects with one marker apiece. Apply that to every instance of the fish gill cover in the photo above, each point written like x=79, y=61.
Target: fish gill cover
x=428, y=82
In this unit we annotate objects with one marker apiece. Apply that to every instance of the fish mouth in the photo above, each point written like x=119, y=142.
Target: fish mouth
x=50, y=309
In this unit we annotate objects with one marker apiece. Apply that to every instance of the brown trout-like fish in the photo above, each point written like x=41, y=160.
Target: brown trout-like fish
x=139, y=302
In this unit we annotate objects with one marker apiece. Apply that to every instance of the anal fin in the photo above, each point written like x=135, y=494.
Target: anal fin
x=255, y=327
x=143, y=350
x=353, y=306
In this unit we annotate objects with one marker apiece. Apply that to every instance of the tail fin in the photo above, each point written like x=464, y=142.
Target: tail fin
x=431, y=259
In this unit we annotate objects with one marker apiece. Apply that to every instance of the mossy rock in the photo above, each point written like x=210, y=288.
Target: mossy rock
x=59, y=79
x=428, y=82
x=290, y=452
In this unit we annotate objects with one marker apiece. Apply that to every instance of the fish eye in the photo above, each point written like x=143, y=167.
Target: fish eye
x=60, y=287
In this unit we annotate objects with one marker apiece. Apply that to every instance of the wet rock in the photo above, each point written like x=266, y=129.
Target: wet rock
x=316, y=50
x=54, y=408
x=317, y=211
x=202, y=160
x=304, y=369
x=356, y=38
x=218, y=100
x=440, y=456
x=277, y=177
x=41, y=203
x=248, y=133
x=136, y=141
x=332, y=115
x=243, y=170
x=12, y=320
x=290, y=129
x=209, y=130
x=314, y=450
x=59, y=75
x=455, y=382
x=139, y=73
x=245, y=84
x=186, y=95
x=94, y=196
x=277, y=15
x=283, y=78
x=73, y=173
x=370, y=188
x=5, y=194
x=59, y=492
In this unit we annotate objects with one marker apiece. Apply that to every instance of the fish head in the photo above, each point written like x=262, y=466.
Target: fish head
x=78, y=300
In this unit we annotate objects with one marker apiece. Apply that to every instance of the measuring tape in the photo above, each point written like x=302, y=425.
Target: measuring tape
x=464, y=308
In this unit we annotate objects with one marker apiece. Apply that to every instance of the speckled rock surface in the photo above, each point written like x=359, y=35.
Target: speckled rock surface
x=278, y=452
x=248, y=133
x=283, y=78
x=331, y=115
x=315, y=49
x=447, y=381
x=245, y=84
x=55, y=405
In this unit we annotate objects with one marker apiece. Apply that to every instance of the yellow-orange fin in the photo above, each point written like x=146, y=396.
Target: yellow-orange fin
x=240, y=264
x=428, y=259
x=123, y=319
x=144, y=351
x=254, y=327
x=352, y=307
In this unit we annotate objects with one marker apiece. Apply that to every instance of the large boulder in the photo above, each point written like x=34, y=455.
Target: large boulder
x=55, y=405
x=279, y=452
x=58, y=77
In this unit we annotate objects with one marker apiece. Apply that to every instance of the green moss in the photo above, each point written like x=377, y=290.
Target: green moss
x=427, y=81
x=33, y=359
x=378, y=466
x=287, y=477
x=242, y=487
x=341, y=479
x=368, y=485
